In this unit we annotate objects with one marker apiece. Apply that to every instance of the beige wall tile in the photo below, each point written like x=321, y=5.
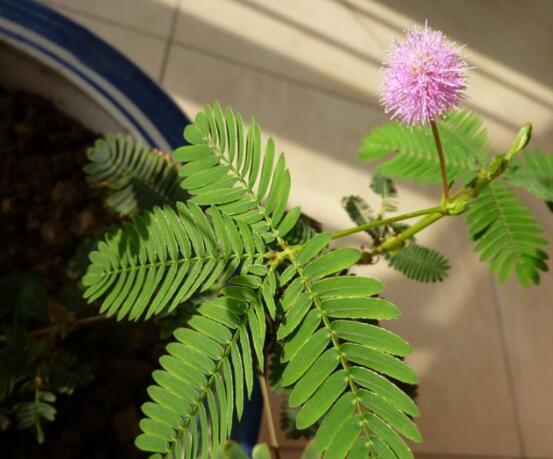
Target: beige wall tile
x=145, y=51
x=339, y=45
x=150, y=16
x=317, y=42
x=528, y=320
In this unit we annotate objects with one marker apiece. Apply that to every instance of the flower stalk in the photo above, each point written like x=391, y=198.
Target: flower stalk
x=443, y=169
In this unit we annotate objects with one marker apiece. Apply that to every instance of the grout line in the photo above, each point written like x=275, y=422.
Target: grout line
x=508, y=367
x=169, y=42
x=60, y=8
x=276, y=75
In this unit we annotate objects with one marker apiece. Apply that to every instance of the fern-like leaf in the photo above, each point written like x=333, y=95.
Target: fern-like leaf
x=419, y=263
x=304, y=229
x=135, y=178
x=384, y=187
x=337, y=363
x=533, y=171
x=164, y=257
x=334, y=357
x=224, y=167
x=413, y=150
x=361, y=213
x=358, y=209
x=206, y=374
x=507, y=235
x=32, y=414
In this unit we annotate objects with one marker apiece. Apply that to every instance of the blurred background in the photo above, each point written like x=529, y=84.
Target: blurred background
x=308, y=71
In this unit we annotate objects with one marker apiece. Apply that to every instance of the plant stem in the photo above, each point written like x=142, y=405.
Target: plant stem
x=70, y=327
x=437, y=139
x=396, y=241
x=269, y=415
x=385, y=221
x=457, y=204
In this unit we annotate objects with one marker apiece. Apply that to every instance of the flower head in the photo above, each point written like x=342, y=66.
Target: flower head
x=424, y=77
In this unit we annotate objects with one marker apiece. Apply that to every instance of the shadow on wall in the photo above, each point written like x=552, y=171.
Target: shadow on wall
x=329, y=97
x=364, y=103
x=514, y=33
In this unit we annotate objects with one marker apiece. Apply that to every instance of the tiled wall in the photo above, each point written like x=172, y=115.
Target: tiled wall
x=308, y=72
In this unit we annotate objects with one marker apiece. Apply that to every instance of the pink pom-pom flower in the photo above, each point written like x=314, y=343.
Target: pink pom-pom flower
x=423, y=77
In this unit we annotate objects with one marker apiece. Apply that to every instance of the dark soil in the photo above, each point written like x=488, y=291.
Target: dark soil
x=47, y=210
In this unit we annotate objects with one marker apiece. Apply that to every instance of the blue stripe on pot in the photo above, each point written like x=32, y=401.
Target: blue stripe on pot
x=120, y=87
x=247, y=431
x=124, y=90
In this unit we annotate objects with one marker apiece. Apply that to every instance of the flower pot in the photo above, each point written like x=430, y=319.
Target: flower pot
x=44, y=52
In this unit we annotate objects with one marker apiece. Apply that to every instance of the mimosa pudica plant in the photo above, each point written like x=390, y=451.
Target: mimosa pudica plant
x=275, y=289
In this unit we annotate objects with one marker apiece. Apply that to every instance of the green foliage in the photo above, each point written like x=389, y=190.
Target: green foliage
x=288, y=417
x=361, y=213
x=225, y=167
x=385, y=188
x=206, y=373
x=507, y=235
x=22, y=298
x=235, y=224
x=533, y=171
x=358, y=210
x=412, y=260
x=240, y=306
x=303, y=230
x=413, y=151
x=232, y=450
x=419, y=263
x=310, y=451
x=261, y=451
x=33, y=413
x=336, y=361
x=133, y=177
x=32, y=371
x=162, y=258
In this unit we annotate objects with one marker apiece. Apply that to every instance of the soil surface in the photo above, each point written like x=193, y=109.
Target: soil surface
x=47, y=211
x=47, y=207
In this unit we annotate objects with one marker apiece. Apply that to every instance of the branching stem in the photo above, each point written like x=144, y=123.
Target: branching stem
x=385, y=221
x=455, y=205
x=269, y=415
x=72, y=326
x=394, y=242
